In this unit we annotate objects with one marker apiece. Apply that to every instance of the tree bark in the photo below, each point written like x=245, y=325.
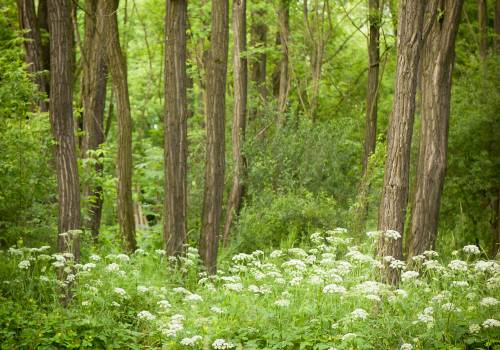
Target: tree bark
x=107, y=26
x=93, y=101
x=176, y=114
x=284, y=77
x=215, y=162
x=438, y=56
x=61, y=118
x=259, y=40
x=482, y=20
x=395, y=189
x=33, y=47
x=239, y=114
x=373, y=73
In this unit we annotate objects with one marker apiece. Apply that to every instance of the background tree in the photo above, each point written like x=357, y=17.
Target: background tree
x=33, y=47
x=215, y=163
x=392, y=211
x=482, y=19
x=258, y=35
x=282, y=85
x=93, y=102
x=176, y=113
x=107, y=26
x=239, y=114
x=61, y=118
x=438, y=57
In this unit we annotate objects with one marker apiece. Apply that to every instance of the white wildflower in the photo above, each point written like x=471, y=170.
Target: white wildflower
x=406, y=346
x=216, y=309
x=142, y=289
x=113, y=267
x=222, y=344
x=282, y=302
x=193, y=297
x=24, y=265
x=471, y=249
x=334, y=288
x=359, y=313
x=474, y=328
x=392, y=234
x=146, y=315
x=409, y=275
x=457, y=265
x=191, y=341
x=120, y=291
x=348, y=336
x=490, y=323
x=235, y=287
x=276, y=254
x=488, y=301
x=164, y=304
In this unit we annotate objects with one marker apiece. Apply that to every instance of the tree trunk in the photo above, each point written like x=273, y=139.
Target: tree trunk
x=496, y=39
x=43, y=27
x=395, y=189
x=93, y=101
x=284, y=78
x=61, y=119
x=214, y=164
x=239, y=114
x=176, y=114
x=259, y=40
x=107, y=26
x=438, y=56
x=482, y=19
x=33, y=47
x=372, y=92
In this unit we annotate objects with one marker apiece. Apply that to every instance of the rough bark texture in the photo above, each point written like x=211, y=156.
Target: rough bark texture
x=259, y=40
x=438, y=56
x=395, y=189
x=176, y=114
x=33, y=46
x=239, y=113
x=214, y=164
x=482, y=20
x=93, y=101
x=61, y=118
x=107, y=26
x=43, y=26
x=284, y=77
x=373, y=72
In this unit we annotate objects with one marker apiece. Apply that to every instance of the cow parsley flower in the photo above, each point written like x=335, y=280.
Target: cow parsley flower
x=490, y=323
x=113, y=267
x=276, y=254
x=359, y=313
x=334, y=288
x=457, y=265
x=392, y=234
x=191, y=341
x=409, y=275
x=235, y=287
x=24, y=265
x=406, y=346
x=474, y=328
x=348, y=336
x=471, y=249
x=216, y=309
x=142, y=289
x=222, y=344
x=120, y=291
x=193, y=297
x=488, y=301
x=146, y=315
x=164, y=304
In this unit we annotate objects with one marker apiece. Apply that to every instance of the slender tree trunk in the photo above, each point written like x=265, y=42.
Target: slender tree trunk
x=438, y=56
x=259, y=40
x=176, y=114
x=43, y=26
x=214, y=165
x=93, y=100
x=394, y=198
x=496, y=39
x=239, y=114
x=61, y=118
x=284, y=77
x=33, y=46
x=482, y=19
x=107, y=26
x=373, y=72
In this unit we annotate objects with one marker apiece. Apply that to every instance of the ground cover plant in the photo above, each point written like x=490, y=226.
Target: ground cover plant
x=323, y=295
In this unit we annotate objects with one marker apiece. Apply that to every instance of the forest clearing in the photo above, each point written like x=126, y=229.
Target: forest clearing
x=250, y=174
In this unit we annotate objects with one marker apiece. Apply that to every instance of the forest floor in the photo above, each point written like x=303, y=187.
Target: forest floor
x=324, y=295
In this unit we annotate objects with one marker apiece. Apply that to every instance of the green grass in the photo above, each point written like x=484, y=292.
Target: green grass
x=321, y=296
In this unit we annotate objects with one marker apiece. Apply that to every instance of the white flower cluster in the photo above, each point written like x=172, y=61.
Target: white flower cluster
x=24, y=264
x=409, y=275
x=488, y=301
x=392, y=234
x=491, y=323
x=406, y=346
x=222, y=344
x=191, y=341
x=359, y=313
x=458, y=265
x=174, y=326
x=334, y=289
x=471, y=249
x=146, y=315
